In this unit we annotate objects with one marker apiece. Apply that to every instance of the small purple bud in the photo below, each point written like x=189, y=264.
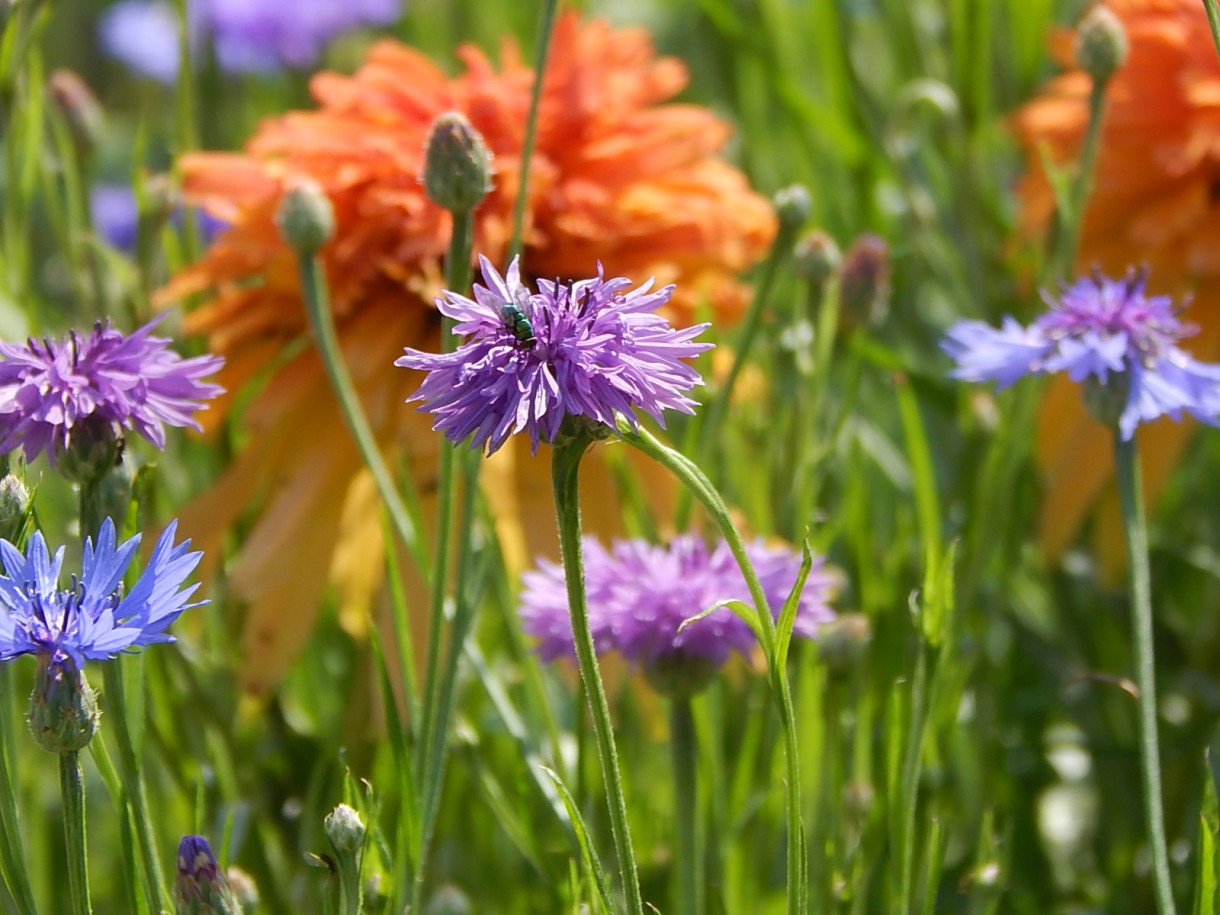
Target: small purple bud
x=201, y=887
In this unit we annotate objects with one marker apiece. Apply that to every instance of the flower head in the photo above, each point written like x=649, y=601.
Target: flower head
x=591, y=349
x=639, y=595
x=1153, y=202
x=1095, y=328
x=93, y=619
x=620, y=175
x=51, y=389
x=249, y=36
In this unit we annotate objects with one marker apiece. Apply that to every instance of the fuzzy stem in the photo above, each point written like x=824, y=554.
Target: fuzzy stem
x=1126, y=458
x=72, y=789
x=565, y=467
x=12, y=862
x=688, y=855
x=698, y=484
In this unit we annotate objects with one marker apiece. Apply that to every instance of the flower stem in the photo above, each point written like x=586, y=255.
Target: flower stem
x=1126, y=459
x=1071, y=218
x=565, y=468
x=12, y=851
x=698, y=484
x=313, y=290
x=546, y=22
x=688, y=855
x=72, y=789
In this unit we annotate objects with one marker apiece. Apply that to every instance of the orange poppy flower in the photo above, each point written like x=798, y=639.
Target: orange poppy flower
x=616, y=176
x=1155, y=201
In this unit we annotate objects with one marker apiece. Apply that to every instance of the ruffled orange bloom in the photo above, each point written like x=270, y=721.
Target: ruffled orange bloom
x=616, y=176
x=1156, y=201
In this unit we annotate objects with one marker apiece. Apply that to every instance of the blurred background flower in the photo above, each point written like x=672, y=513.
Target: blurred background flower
x=1154, y=203
x=246, y=35
x=617, y=177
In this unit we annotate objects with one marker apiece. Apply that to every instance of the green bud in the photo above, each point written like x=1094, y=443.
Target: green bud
x=245, y=890
x=93, y=448
x=457, y=164
x=345, y=830
x=14, y=508
x=816, y=257
x=201, y=888
x=842, y=641
x=79, y=108
x=63, y=708
x=1101, y=44
x=305, y=217
x=792, y=204
x=864, y=291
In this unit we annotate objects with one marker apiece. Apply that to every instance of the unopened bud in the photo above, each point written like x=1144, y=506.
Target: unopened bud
x=79, y=107
x=457, y=165
x=816, y=257
x=305, y=217
x=843, y=640
x=92, y=450
x=679, y=675
x=201, y=887
x=448, y=900
x=792, y=205
x=63, y=708
x=345, y=830
x=1101, y=44
x=245, y=890
x=14, y=508
x=864, y=293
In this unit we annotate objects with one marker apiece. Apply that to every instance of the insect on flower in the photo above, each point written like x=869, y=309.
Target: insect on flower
x=515, y=319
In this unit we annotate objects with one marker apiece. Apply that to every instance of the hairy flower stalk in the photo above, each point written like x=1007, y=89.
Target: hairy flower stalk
x=563, y=365
x=1122, y=346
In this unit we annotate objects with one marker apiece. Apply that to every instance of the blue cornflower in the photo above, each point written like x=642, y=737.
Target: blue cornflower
x=1107, y=333
x=593, y=349
x=93, y=619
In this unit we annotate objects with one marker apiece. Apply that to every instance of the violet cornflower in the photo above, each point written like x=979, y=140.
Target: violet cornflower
x=592, y=349
x=1104, y=332
x=50, y=389
x=93, y=619
x=249, y=36
x=639, y=595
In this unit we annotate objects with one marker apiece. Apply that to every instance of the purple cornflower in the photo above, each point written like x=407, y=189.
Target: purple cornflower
x=249, y=36
x=639, y=594
x=93, y=619
x=50, y=389
x=1096, y=327
x=201, y=886
x=592, y=349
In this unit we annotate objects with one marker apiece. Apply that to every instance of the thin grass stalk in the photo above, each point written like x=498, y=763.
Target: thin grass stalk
x=565, y=467
x=546, y=24
x=1126, y=460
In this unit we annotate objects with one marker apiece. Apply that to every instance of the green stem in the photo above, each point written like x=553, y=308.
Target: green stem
x=439, y=681
x=72, y=788
x=1126, y=460
x=698, y=484
x=546, y=22
x=1072, y=218
x=313, y=290
x=688, y=855
x=565, y=469
x=1213, y=21
x=133, y=784
x=14, y=868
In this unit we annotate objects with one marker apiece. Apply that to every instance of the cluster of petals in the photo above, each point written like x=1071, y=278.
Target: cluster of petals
x=1100, y=329
x=248, y=36
x=49, y=388
x=639, y=595
x=92, y=619
x=596, y=349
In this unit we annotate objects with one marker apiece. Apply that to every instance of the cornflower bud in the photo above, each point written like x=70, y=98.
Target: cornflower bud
x=14, y=508
x=792, y=205
x=864, y=294
x=305, y=217
x=1101, y=44
x=457, y=164
x=345, y=830
x=201, y=887
x=63, y=708
x=816, y=257
x=79, y=107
